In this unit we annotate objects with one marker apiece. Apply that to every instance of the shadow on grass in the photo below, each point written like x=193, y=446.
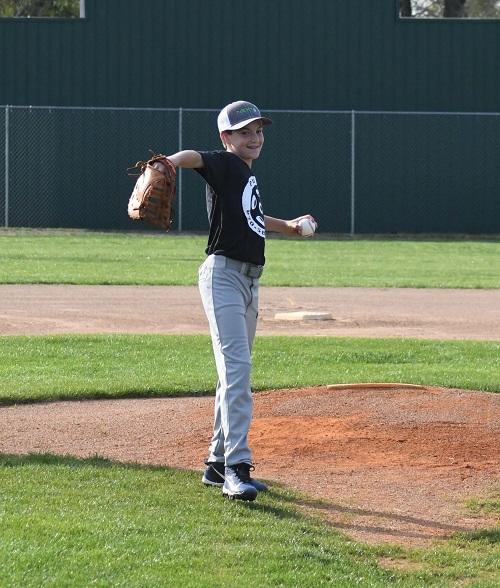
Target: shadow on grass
x=98, y=395
x=13, y=461
x=484, y=535
x=282, y=503
x=8, y=460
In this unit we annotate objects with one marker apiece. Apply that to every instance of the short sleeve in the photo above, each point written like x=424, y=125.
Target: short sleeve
x=214, y=168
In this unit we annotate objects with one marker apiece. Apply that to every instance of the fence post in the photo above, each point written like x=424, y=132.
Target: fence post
x=353, y=172
x=179, y=173
x=6, y=169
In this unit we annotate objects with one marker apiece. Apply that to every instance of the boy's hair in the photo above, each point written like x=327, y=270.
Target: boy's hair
x=222, y=139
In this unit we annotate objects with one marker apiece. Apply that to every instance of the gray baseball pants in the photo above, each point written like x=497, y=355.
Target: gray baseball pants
x=230, y=300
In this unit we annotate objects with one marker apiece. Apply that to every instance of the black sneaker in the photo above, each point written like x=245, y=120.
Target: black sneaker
x=214, y=474
x=237, y=484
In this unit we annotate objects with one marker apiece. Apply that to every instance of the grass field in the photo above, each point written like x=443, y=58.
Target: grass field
x=117, y=258
x=111, y=366
x=69, y=522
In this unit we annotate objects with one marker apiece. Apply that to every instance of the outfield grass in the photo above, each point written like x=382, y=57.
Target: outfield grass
x=69, y=522
x=79, y=257
x=113, y=366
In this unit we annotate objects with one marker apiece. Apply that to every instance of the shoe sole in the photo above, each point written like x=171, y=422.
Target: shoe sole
x=244, y=496
x=220, y=484
x=207, y=482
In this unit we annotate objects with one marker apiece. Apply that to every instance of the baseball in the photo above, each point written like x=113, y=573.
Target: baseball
x=307, y=227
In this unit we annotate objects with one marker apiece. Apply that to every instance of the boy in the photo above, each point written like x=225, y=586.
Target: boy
x=229, y=286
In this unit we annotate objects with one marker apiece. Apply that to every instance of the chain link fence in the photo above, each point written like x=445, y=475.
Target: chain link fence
x=357, y=172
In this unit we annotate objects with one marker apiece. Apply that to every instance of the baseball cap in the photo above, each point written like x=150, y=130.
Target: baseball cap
x=239, y=114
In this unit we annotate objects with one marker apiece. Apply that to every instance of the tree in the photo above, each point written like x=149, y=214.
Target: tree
x=454, y=9
x=405, y=8
x=40, y=8
x=450, y=8
x=483, y=8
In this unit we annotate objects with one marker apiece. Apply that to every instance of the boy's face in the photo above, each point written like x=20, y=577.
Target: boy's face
x=246, y=143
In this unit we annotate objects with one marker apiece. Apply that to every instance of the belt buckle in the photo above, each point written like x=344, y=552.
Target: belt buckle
x=254, y=271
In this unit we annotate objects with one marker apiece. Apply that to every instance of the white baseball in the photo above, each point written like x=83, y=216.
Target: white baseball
x=307, y=227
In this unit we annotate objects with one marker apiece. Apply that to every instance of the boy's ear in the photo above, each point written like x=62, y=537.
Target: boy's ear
x=223, y=136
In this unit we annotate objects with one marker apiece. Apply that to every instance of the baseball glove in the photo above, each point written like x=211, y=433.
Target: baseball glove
x=154, y=192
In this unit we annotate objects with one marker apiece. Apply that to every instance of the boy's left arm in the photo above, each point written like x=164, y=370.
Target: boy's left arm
x=286, y=227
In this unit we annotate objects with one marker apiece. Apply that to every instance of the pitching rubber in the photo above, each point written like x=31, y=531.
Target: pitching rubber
x=386, y=385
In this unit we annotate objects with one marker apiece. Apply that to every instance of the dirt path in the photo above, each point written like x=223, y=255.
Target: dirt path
x=381, y=465
x=367, y=312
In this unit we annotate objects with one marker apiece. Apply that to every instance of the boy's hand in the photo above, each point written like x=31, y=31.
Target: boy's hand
x=287, y=227
x=299, y=226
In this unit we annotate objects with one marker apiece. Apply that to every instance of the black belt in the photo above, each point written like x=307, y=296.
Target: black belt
x=247, y=269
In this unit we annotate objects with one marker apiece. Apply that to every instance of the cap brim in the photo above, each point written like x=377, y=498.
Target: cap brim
x=244, y=123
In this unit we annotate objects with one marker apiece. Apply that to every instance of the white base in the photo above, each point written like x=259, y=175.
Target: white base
x=303, y=316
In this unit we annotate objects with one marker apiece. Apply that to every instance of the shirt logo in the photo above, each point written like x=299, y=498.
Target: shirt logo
x=252, y=207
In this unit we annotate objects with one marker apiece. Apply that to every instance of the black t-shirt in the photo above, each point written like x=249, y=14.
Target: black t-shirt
x=235, y=214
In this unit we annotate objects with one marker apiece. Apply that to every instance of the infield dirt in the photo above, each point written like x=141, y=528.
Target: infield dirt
x=381, y=465
x=356, y=312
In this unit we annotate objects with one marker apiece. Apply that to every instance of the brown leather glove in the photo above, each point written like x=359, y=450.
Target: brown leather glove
x=154, y=192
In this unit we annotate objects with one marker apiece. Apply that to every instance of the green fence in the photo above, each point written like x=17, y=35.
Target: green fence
x=357, y=172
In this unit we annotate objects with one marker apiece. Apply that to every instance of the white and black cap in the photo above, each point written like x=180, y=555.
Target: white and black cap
x=239, y=114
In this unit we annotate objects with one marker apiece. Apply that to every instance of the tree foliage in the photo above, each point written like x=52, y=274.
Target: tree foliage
x=450, y=8
x=40, y=8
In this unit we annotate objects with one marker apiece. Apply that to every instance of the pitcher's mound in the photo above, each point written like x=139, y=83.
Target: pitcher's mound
x=392, y=464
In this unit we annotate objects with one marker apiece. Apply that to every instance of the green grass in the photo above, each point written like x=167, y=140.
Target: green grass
x=70, y=522
x=79, y=257
x=468, y=559
x=112, y=366
x=485, y=506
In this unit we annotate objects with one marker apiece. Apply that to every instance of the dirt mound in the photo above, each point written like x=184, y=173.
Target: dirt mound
x=382, y=465
x=392, y=465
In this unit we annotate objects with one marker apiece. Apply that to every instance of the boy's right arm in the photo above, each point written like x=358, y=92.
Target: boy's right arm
x=188, y=159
